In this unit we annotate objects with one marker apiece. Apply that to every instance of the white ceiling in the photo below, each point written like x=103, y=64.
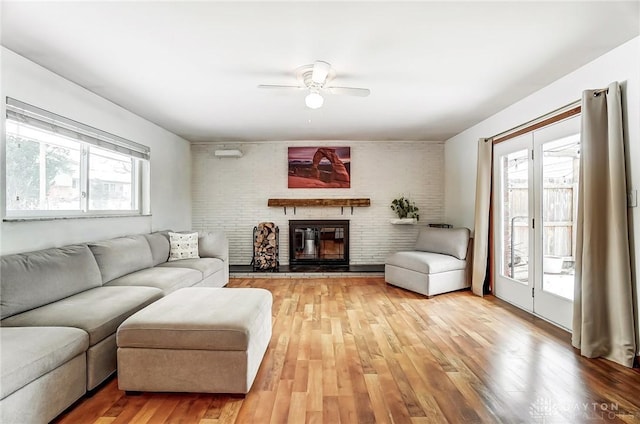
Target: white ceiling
x=434, y=68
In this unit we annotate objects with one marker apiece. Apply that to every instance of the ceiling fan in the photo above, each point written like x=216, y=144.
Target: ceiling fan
x=315, y=78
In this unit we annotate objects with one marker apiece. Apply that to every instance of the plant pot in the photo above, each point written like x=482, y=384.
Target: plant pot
x=403, y=221
x=552, y=264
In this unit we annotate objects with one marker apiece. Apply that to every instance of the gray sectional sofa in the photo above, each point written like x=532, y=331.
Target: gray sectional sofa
x=60, y=309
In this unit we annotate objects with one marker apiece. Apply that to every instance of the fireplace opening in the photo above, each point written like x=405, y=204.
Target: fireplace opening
x=319, y=242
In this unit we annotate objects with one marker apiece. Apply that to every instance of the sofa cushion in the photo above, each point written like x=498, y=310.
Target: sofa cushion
x=33, y=279
x=425, y=262
x=98, y=311
x=448, y=241
x=167, y=279
x=121, y=256
x=159, y=243
x=207, y=266
x=213, y=244
x=30, y=352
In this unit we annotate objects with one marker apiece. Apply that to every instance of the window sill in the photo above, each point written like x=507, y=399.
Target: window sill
x=56, y=218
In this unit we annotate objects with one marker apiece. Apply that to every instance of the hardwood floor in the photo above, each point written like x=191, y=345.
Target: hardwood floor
x=355, y=350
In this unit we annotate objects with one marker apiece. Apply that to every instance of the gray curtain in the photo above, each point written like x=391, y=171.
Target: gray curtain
x=481, y=221
x=603, y=323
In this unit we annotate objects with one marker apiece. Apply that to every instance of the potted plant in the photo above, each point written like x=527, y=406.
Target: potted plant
x=406, y=210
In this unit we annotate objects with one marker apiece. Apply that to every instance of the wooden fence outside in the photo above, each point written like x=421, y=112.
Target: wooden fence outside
x=558, y=212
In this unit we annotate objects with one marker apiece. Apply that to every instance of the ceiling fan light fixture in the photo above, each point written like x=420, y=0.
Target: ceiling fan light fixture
x=314, y=78
x=314, y=100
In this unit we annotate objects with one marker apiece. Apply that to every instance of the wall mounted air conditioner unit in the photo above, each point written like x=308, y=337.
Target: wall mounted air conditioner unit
x=228, y=153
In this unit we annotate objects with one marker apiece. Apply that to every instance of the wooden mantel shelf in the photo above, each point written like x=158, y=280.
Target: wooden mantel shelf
x=341, y=203
x=319, y=202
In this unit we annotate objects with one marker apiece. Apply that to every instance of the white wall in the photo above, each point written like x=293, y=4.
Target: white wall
x=621, y=64
x=170, y=160
x=231, y=194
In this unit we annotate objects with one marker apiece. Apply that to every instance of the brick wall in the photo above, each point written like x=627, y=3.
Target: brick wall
x=231, y=194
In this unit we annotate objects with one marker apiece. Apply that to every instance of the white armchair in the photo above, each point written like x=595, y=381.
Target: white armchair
x=438, y=263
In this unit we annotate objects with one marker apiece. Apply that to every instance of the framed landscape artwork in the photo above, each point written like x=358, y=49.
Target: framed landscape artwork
x=319, y=167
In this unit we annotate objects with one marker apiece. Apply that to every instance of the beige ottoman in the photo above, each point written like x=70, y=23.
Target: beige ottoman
x=197, y=339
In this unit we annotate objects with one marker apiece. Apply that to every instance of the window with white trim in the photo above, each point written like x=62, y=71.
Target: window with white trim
x=56, y=167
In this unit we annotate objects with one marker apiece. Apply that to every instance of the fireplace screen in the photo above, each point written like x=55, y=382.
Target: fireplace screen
x=318, y=242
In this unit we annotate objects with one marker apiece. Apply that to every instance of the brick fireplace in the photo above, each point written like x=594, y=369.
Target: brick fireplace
x=319, y=242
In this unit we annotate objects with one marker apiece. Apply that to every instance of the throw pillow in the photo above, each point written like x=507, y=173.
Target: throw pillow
x=183, y=246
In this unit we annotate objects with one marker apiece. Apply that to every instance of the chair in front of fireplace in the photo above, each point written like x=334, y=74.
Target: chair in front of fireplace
x=266, y=241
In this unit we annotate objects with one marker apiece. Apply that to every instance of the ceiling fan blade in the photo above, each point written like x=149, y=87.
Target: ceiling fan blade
x=286, y=87
x=320, y=71
x=349, y=91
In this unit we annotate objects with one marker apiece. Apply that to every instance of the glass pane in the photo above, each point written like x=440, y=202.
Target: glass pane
x=306, y=243
x=110, y=180
x=332, y=243
x=515, y=218
x=560, y=168
x=43, y=170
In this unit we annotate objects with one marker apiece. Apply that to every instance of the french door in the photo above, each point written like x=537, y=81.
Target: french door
x=535, y=188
